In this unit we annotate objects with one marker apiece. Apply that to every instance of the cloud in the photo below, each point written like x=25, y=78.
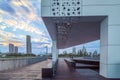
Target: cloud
x=25, y=14
x=41, y=42
x=44, y=45
x=41, y=39
x=4, y=43
x=7, y=37
x=22, y=36
x=25, y=8
x=36, y=40
x=1, y=12
x=3, y=27
x=21, y=25
x=16, y=43
x=6, y=7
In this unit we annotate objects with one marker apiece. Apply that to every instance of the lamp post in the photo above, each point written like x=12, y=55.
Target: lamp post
x=46, y=51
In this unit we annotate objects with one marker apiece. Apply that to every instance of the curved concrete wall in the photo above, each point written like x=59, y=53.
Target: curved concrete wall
x=15, y=63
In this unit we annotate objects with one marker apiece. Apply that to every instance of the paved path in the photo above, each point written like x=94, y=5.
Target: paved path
x=31, y=72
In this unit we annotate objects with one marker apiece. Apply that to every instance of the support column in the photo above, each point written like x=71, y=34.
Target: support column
x=54, y=56
x=54, y=52
x=110, y=50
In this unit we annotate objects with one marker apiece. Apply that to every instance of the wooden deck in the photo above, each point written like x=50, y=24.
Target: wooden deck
x=65, y=73
x=30, y=72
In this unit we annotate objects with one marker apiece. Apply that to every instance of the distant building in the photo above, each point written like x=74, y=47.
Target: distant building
x=74, y=50
x=16, y=49
x=11, y=48
x=28, y=45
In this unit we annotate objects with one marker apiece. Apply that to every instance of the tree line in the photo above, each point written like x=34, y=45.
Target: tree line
x=80, y=53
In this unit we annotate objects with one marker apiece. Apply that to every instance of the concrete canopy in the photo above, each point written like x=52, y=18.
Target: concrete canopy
x=73, y=22
x=71, y=31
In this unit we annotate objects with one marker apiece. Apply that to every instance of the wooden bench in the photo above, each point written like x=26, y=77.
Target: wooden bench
x=71, y=64
x=82, y=66
x=47, y=73
x=85, y=63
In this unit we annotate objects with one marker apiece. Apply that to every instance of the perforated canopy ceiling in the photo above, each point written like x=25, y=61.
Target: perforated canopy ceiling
x=71, y=31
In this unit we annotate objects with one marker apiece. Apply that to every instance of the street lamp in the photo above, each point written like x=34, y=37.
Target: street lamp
x=46, y=50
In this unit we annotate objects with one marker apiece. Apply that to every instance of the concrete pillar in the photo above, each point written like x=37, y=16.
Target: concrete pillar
x=54, y=52
x=110, y=49
x=54, y=56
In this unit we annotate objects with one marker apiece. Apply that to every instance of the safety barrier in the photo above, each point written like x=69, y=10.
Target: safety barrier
x=15, y=63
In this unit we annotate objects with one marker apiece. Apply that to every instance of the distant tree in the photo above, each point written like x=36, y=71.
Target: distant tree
x=95, y=53
x=70, y=55
x=90, y=54
x=0, y=52
x=98, y=55
x=64, y=52
x=79, y=53
x=19, y=55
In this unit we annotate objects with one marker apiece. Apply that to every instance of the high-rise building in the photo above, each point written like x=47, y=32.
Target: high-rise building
x=11, y=48
x=74, y=50
x=28, y=45
x=16, y=49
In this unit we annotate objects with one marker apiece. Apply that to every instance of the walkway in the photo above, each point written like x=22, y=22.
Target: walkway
x=64, y=73
x=31, y=72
